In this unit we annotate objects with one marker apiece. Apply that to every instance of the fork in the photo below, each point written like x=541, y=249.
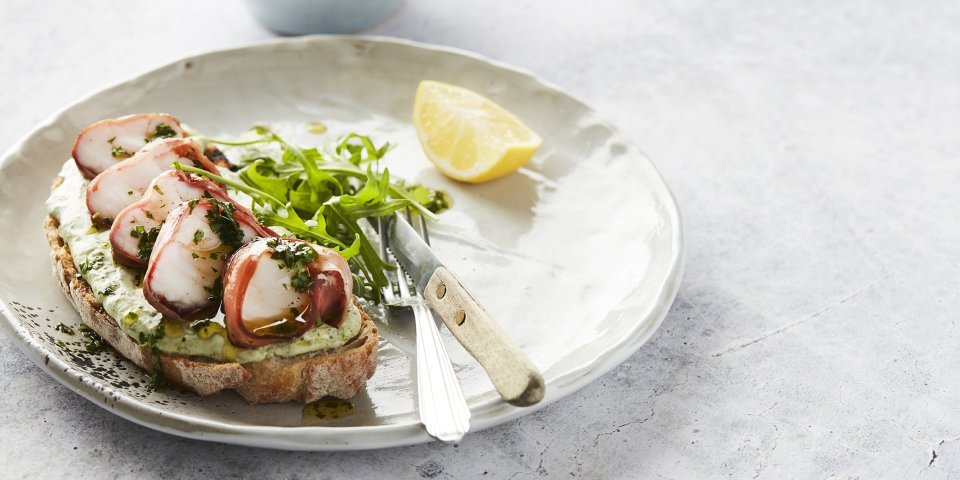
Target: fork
x=443, y=409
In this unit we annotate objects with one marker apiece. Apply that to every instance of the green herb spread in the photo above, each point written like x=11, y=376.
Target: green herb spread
x=118, y=289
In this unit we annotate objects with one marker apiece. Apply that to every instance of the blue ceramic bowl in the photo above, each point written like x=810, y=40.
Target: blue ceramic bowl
x=302, y=17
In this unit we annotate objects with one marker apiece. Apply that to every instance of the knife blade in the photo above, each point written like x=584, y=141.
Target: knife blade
x=514, y=376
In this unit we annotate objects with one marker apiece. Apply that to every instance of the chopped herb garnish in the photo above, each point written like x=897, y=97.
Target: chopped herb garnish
x=223, y=221
x=215, y=291
x=197, y=236
x=119, y=152
x=131, y=318
x=437, y=201
x=294, y=256
x=301, y=280
x=108, y=291
x=206, y=328
x=158, y=381
x=99, y=222
x=145, y=240
x=93, y=343
x=148, y=340
x=156, y=188
x=92, y=262
x=200, y=325
x=138, y=278
x=162, y=131
x=194, y=255
x=64, y=328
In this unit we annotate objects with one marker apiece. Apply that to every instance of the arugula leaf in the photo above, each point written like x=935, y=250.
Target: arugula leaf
x=292, y=222
x=268, y=181
x=322, y=196
x=357, y=145
x=258, y=195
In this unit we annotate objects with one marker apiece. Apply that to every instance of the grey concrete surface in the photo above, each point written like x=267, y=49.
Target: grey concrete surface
x=813, y=147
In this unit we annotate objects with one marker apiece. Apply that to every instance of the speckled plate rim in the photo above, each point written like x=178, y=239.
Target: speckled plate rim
x=485, y=414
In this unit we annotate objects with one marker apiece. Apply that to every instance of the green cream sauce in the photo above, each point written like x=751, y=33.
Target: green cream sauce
x=117, y=289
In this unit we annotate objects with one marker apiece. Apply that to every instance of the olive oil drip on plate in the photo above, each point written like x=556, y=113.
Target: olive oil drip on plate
x=327, y=409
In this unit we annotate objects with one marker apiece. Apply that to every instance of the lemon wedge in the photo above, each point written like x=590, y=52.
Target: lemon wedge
x=468, y=136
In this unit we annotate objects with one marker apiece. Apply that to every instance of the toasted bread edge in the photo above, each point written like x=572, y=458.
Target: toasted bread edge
x=340, y=372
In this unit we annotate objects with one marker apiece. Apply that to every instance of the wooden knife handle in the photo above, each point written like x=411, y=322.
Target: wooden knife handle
x=513, y=374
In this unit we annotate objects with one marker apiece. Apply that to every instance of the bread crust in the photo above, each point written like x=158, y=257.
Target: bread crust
x=340, y=372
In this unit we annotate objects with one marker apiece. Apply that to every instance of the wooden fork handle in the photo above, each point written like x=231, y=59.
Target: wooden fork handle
x=513, y=374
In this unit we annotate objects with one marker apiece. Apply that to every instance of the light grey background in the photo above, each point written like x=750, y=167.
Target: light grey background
x=813, y=149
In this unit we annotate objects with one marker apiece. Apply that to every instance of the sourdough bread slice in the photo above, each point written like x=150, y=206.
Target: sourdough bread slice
x=340, y=372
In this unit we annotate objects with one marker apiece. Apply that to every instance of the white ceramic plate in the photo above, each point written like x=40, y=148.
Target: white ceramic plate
x=578, y=255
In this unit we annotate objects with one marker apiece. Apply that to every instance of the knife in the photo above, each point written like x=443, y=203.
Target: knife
x=515, y=377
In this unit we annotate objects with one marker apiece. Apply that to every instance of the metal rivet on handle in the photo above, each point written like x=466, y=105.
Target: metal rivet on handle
x=441, y=290
x=460, y=317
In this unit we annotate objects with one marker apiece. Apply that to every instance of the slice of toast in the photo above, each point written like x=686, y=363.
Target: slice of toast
x=340, y=372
